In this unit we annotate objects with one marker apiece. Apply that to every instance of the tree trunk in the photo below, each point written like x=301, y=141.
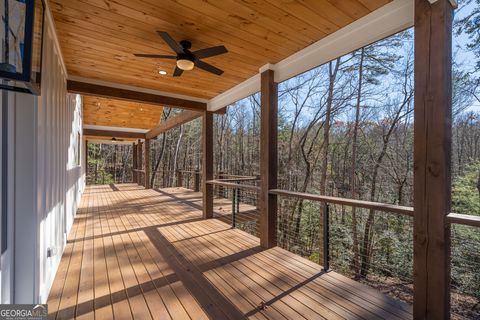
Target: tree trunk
x=478, y=183
x=159, y=159
x=366, y=250
x=332, y=72
x=175, y=159
x=353, y=186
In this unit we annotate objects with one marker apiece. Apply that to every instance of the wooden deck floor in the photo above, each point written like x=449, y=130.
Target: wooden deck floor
x=146, y=254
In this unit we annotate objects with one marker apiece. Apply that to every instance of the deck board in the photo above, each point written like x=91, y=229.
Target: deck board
x=147, y=254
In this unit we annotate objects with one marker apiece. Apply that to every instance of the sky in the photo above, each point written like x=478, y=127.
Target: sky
x=461, y=54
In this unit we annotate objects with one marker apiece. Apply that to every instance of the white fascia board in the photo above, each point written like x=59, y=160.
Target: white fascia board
x=108, y=128
x=240, y=91
x=133, y=88
x=388, y=20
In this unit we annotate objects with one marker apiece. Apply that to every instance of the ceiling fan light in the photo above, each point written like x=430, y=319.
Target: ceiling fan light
x=185, y=64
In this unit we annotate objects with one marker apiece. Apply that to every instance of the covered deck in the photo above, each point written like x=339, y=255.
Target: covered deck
x=149, y=254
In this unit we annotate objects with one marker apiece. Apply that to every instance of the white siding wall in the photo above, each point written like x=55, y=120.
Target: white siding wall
x=47, y=178
x=60, y=176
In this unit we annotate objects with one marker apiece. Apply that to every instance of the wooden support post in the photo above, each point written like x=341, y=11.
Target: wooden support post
x=146, y=158
x=268, y=159
x=134, y=163
x=196, y=181
x=432, y=152
x=207, y=164
x=140, y=161
x=179, y=179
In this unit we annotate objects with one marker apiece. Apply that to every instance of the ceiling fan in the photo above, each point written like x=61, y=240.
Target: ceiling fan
x=186, y=59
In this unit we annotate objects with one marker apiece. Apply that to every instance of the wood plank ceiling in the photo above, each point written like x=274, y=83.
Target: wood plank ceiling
x=122, y=114
x=98, y=37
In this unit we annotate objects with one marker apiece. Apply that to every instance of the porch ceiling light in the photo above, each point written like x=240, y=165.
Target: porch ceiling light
x=185, y=64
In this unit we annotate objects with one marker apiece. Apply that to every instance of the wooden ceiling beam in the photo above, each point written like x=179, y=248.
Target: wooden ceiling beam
x=134, y=96
x=111, y=133
x=183, y=117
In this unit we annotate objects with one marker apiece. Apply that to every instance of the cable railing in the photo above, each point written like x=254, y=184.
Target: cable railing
x=373, y=243
x=190, y=179
x=225, y=192
x=108, y=174
x=140, y=176
x=164, y=178
x=328, y=231
x=236, y=202
x=465, y=271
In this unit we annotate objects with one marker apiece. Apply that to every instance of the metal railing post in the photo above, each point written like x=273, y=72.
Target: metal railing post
x=234, y=196
x=326, y=238
x=238, y=200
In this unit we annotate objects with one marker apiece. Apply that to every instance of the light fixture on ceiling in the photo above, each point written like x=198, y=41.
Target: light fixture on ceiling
x=185, y=63
x=187, y=59
x=114, y=139
x=162, y=72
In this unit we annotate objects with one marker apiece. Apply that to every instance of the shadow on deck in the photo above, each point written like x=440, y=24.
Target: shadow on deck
x=146, y=254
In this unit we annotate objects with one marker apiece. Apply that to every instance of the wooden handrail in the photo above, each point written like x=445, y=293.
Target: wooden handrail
x=408, y=211
x=234, y=185
x=457, y=218
x=232, y=176
x=464, y=219
x=238, y=179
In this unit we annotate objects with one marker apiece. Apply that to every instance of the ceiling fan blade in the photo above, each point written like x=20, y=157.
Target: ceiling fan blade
x=208, y=67
x=210, y=52
x=146, y=55
x=171, y=43
x=178, y=72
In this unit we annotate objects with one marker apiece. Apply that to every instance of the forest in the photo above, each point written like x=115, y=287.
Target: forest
x=346, y=130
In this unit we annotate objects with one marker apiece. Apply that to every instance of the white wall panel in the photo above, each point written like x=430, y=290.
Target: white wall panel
x=60, y=177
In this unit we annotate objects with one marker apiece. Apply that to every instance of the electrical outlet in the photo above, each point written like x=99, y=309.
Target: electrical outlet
x=51, y=251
